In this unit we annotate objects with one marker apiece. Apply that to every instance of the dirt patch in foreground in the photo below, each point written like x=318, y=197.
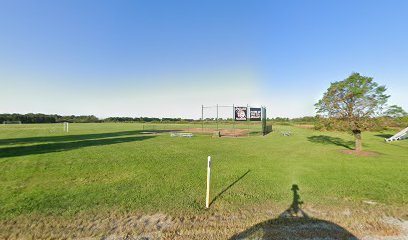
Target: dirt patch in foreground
x=317, y=223
x=361, y=153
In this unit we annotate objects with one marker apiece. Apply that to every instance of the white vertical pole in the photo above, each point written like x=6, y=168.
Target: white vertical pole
x=207, y=197
x=66, y=127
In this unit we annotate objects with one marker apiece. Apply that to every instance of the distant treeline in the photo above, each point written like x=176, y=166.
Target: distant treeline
x=319, y=123
x=327, y=124
x=145, y=119
x=46, y=118
x=54, y=118
x=300, y=120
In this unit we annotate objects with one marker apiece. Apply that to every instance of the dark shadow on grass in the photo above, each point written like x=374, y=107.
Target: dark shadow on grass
x=323, y=139
x=294, y=223
x=384, y=135
x=65, y=138
x=294, y=210
x=64, y=146
x=70, y=138
x=230, y=186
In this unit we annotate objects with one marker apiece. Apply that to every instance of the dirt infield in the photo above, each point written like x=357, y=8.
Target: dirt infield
x=223, y=132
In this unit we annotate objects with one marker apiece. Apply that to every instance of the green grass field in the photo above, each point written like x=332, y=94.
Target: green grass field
x=114, y=167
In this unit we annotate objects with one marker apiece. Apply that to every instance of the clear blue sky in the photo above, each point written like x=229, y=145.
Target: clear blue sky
x=166, y=58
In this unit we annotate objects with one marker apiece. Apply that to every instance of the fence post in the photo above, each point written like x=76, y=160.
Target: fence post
x=264, y=130
x=233, y=119
x=247, y=120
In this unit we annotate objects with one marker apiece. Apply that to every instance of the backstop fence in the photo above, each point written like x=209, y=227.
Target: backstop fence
x=234, y=120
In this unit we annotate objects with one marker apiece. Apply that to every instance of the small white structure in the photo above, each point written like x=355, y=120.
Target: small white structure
x=399, y=136
x=180, y=134
x=11, y=122
x=66, y=126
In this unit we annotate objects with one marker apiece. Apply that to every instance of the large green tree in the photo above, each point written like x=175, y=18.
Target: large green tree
x=354, y=100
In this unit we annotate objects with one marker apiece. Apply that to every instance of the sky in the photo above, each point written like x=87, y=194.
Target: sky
x=167, y=58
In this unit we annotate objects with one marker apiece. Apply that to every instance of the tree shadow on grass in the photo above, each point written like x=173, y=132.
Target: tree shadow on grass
x=231, y=185
x=323, y=139
x=64, y=146
x=70, y=138
x=384, y=135
x=294, y=223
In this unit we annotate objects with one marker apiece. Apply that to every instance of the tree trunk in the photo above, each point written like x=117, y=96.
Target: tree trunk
x=357, y=137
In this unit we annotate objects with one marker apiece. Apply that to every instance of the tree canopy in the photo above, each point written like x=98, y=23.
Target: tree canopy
x=354, y=100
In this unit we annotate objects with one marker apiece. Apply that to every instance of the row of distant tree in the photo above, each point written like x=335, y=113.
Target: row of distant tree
x=145, y=119
x=54, y=118
x=46, y=118
x=394, y=116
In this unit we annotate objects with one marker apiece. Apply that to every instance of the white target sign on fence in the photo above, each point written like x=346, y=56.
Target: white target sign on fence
x=241, y=113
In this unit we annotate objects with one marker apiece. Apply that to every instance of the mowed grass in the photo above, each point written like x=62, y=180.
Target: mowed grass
x=98, y=167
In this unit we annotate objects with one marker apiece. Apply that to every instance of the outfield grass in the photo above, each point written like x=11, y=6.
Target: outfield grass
x=114, y=166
